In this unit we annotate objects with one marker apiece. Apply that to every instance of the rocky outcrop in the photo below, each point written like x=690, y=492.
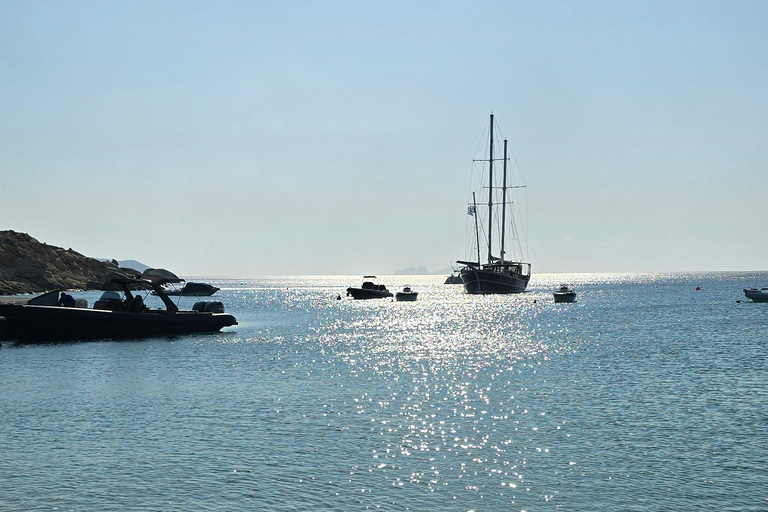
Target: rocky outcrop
x=29, y=266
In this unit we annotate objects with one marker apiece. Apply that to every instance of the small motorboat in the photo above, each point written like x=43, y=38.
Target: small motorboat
x=369, y=290
x=565, y=294
x=192, y=289
x=454, y=278
x=756, y=294
x=406, y=294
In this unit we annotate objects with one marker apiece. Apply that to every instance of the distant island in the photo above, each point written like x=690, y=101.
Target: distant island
x=30, y=266
x=136, y=265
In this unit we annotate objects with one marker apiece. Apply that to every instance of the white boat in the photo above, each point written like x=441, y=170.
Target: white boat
x=497, y=274
x=195, y=290
x=756, y=294
x=565, y=294
x=407, y=294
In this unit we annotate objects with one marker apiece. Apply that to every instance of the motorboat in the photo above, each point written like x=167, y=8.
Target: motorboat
x=454, y=278
x=192, y=289
x=369, y=290
x=407, y=294
x=564, y=294
x=500, y=273
x=756, y=294
x=116, y=315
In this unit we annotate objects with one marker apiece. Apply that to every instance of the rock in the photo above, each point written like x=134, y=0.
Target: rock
x=28, y=266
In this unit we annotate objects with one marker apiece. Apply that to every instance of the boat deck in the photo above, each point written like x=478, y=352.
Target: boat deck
x=13, y=299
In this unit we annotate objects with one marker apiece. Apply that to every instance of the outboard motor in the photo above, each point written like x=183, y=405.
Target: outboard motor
x=208, y=307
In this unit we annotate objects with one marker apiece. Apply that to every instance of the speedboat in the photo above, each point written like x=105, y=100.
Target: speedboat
x=193, y=289
x=756, y=294
x=112, y=316
x=369, y=290
x=565, y=294
x=454, y=278
x=406, y=295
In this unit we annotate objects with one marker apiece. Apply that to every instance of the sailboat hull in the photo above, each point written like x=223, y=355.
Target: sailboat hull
x=481, y=281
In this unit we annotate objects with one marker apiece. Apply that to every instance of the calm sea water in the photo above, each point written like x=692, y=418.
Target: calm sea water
x=645, y=395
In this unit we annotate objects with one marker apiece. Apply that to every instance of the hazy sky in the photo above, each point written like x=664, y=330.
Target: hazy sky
x=336, y=137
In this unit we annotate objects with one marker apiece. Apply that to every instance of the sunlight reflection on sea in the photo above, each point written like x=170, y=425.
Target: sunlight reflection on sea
x=645, y=394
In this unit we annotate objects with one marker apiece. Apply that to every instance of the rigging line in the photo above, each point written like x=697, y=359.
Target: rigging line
x=523, y=254
x=470, y=238
x=483, y=139
x=497, y=129
x=519, y=171
x=466, y=240
x=526, y=233
x=466, y=249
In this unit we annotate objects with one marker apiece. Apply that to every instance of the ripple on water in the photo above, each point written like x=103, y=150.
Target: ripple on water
x=644, y=395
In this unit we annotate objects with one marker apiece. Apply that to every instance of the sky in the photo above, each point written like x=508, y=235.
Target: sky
x=249, y=138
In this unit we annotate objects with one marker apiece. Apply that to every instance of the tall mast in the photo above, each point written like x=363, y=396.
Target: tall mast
x=490, y=193
x=504, y=201
x=477, y=231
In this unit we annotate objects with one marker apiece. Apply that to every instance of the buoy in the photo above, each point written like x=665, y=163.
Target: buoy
x=698, y=288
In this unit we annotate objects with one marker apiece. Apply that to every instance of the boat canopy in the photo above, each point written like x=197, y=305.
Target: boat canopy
x=128, y=284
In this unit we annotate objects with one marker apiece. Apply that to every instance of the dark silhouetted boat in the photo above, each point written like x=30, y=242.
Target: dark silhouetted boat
x=564, y=294
x=756, y=294
x=192, y=289
x=407, y=294
x=454, y=278
x=113, y=316
x=369, y=290
x=497, y=274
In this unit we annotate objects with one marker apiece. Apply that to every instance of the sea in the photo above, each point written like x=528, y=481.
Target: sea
x=650, y=393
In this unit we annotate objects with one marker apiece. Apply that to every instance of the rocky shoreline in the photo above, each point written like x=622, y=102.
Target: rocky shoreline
x=29, y=266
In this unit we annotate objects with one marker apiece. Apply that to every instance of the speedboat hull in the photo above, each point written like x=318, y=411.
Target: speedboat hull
x=406, y=296
x=367, y=293
x=58, y=323
x=756, y=295
x=482, y=281
x=453, y=279
x=194, y=290
x=182, y=293
x=565, y=296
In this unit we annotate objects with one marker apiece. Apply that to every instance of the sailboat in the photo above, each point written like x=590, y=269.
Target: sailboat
x=496, y=274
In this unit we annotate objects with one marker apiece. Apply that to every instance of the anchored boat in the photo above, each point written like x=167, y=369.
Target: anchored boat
x=564, y=294
x=497, y=274
x=192, y=289
x=113, y=316
x=369, y=290
x=756, y=294
x=407, y=294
